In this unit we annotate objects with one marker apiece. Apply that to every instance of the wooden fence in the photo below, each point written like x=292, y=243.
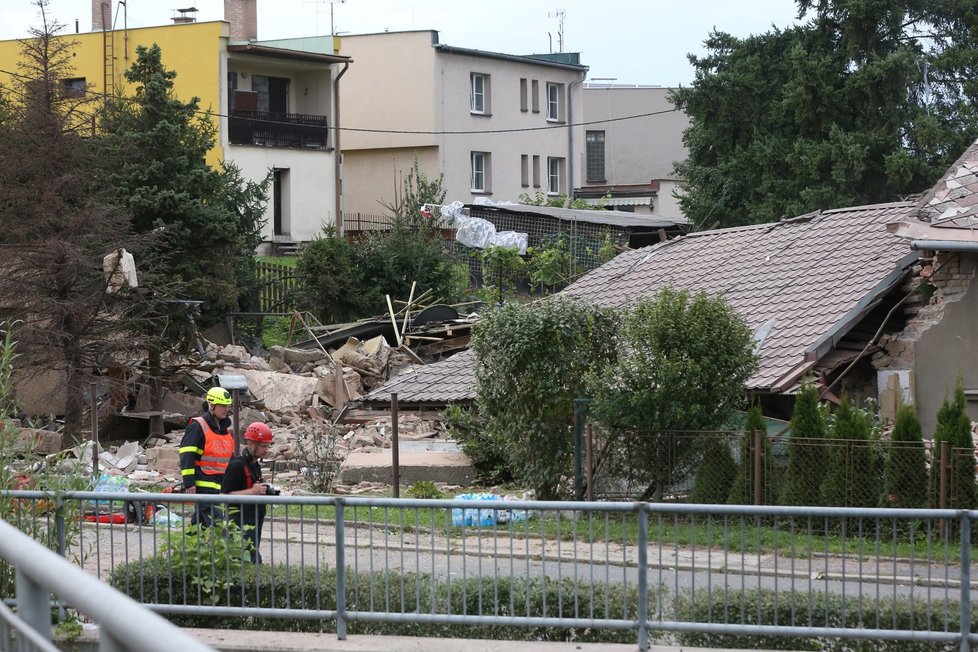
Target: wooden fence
x=277, y=285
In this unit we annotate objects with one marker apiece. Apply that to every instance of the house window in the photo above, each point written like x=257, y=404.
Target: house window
x=524, y=96
x=479, y=97
x=595, y=155
x=273, y=93
x=481, y=171
x=525, y=171
x=536, y=171
x=74, y=87
x=535, y=95
x=554, y=167
x=554, y=108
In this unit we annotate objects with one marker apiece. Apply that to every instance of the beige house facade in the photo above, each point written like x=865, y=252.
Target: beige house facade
x=496, y=125
x=633, y=137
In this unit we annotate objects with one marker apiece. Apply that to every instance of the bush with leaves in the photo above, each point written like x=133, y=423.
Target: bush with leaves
x=329, y=281
x=802, y=481
x=682, y=365
x=905, y=472
x=532, y=362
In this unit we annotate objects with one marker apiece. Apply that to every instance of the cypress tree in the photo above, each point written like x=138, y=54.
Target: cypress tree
x=905, y=471
x=714, y=475
x=742, y=491
x=850, y=477
x=806, y=451
x=954, y=427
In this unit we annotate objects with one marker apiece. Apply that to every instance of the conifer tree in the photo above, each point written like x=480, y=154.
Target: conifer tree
x=806, y=451
x=850, y=475
x=742, y=490
x=954, y=428
x=905, y=471
x=715, y=474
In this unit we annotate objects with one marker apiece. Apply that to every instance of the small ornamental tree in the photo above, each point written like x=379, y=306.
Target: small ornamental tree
x=716, y=473
x=742, y=489
x=850, y=474
x=329, y=282
x=683, y=361
x=806, y=451
x=905, y=471
x=954, y=428
x=532, y=361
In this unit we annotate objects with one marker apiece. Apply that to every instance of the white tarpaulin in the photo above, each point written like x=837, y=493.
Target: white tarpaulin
x=479, y=233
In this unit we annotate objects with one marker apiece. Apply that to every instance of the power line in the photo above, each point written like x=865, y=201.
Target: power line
x=217, y=114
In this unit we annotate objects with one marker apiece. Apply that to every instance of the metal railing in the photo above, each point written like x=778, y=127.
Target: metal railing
x=694, y=574
x=272, y=129
x=39, y=572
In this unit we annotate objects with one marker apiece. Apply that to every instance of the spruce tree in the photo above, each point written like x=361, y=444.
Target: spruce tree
x=806, y=451
x=742, y=490
x=905, y=470
x=954, y=429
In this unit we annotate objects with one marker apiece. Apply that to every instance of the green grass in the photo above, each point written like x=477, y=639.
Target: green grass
x=285, y=261
x=736, y=535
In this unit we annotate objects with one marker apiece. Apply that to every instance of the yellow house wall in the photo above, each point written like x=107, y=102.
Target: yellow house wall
x=195, y=51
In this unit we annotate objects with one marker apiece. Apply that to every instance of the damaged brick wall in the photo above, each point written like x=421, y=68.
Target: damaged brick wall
x=946, y=279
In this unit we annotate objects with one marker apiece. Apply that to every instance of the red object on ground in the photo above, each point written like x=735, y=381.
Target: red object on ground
x=119, y=519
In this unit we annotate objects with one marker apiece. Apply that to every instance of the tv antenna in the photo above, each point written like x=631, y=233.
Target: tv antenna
x=332, y=30
x=560, y=15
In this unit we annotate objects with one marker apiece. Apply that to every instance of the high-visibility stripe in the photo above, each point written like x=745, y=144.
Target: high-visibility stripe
x=191, y=449
x=187, y=471
x=208, y=485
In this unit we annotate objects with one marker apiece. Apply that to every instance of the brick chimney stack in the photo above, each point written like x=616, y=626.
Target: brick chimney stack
x=243, y=16
x=101, y=21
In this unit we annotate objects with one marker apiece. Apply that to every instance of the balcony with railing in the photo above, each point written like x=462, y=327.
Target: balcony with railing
x=274, y=129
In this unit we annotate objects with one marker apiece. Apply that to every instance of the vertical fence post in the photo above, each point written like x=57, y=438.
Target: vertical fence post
x=94, y=412
x=580, y=413
x=757, y=467
x=965, y=581
x=33, y=605
x=340, y=572
x=395, y=448
x=942, y=491
x=643, y=577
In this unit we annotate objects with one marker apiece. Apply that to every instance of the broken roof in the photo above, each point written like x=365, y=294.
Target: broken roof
x=953, y=201
x=802, y=283
x=807, y=280
x=451, y=380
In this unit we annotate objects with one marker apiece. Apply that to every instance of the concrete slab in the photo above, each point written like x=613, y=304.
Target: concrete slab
x=435, y=466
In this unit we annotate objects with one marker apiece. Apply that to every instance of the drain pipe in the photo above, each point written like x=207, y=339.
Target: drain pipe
x=943, y=245
x=337, y=152
x=570, y=132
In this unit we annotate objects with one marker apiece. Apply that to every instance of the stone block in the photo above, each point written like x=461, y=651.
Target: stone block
x=40, y=442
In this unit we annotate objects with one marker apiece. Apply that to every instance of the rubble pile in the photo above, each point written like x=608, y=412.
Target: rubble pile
x=302, y=393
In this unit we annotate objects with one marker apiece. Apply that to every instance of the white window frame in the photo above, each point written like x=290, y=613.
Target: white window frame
x=554, y=105
x=480, y=177
x=479, y=93
x=554, y=165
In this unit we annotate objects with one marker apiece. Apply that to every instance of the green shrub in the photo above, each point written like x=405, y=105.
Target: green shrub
x=742, y=491
x=806, y=451
x=715, y=474
x=425, y=489
x=330, y=283
x=155, y=580
x=905, y=473
x=764, y=607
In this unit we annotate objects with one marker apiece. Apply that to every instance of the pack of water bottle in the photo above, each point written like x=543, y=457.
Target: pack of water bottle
x=470, y=516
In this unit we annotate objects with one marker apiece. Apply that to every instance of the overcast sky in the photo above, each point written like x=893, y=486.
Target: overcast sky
x=633, y=41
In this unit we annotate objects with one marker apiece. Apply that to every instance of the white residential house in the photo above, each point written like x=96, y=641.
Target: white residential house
x=633, y=137
x=496, y=125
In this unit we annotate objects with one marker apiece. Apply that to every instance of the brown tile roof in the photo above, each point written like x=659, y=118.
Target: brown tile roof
x=953, y=201
x=447, y=381
x=811, y=277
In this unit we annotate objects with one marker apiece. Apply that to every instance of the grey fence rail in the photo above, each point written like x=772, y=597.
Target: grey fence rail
x=693, y=574
x=39, y=572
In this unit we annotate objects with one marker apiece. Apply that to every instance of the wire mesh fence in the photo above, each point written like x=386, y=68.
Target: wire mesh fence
x=715, y=575
x=737, y=467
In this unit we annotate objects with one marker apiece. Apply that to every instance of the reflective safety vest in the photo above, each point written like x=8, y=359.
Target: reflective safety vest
x=213, y=461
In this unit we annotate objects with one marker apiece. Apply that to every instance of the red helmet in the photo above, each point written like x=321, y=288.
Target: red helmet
x=259, y=432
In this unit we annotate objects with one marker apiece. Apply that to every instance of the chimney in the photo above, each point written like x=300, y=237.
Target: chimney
x=243, y=16
x=101, y=15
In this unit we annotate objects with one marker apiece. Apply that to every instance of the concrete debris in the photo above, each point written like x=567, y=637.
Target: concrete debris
x=300, y=392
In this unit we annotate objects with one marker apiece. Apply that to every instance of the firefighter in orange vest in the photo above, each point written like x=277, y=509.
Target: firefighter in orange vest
x=244, y=477
x=205, y=451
